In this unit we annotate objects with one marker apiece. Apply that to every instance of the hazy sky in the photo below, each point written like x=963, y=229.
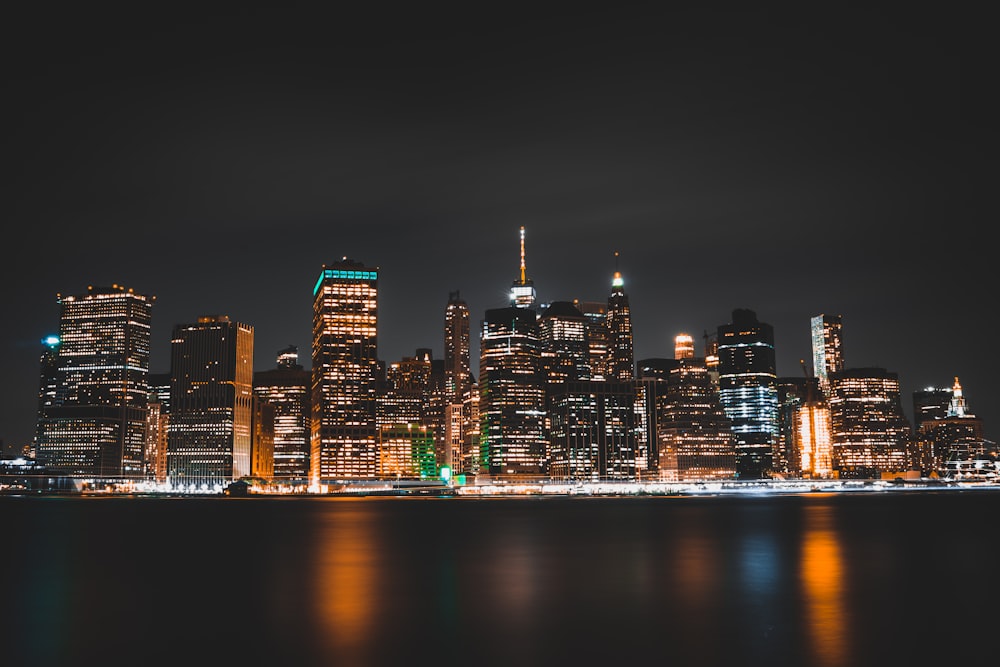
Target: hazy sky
x=792, y=164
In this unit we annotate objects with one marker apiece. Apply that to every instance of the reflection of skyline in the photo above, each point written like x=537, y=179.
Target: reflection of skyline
x=822, y=576
x=346, y=557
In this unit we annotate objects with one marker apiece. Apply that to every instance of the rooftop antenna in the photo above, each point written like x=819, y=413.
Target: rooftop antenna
x=523, y=277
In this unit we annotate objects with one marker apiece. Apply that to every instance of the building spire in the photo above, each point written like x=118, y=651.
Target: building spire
x=522, y=256
x=957, y=407
x=617, y=282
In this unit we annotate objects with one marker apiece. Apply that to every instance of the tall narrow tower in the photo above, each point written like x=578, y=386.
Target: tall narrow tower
x=457, y=364
x=92, y=411
x=211, y=403
x=522, y=291
x=619, y=319
x=345, y=371
x=827, y=353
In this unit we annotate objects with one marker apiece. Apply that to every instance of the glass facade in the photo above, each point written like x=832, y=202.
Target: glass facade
x=870, y=433
x=287, y=388
x=748, y=391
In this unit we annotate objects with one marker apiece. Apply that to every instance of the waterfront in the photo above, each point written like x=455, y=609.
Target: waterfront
x=805, y=579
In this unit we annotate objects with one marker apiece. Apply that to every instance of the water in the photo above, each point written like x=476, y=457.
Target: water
x=807, y=580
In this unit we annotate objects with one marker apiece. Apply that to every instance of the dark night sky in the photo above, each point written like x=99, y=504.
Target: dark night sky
x=790, y=163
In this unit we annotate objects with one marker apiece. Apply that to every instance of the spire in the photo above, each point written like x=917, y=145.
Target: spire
x=617, y=282
x=522, y=292
x=957, y=407
x=522, y=256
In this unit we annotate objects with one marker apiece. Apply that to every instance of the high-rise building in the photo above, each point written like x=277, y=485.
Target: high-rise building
x=748, y=391
x=827, y=350
x=953, y=433
x=94, y=388
x=345, y=373
x=157, y=422
x=210, y=430
x=592, y=432
x=287, y=388
x=512, y=394
x=262, y=440
x=870, y=433
x=694, y=435
x=619, y=321
x=461, y=428
x=598, y=336
x=565, y=352
x=457, y=363
x=651, y=383
x=522, y=291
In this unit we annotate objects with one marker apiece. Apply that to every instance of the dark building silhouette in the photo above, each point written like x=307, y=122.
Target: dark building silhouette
x=592, y=433
x=210, y=430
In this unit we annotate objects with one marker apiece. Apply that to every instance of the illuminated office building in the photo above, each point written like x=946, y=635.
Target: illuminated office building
x=157, y=421
x=870, y=433
x=262, y=440
x=827, y=350
x=345, y=373
x=461, y=417
x=941, y=438
x=694, y=435
x=805, y=447
x=94, y=389
x=512, y=394
x=592, y=432
x=287, y=388
x=748, y=391
x=210, y=431
x=406, y=451
x=683, y=346
x=650, y=385
x=522, y=291
x=619, y=321
x=565, y=352
x=793, y=392
x=598, y=336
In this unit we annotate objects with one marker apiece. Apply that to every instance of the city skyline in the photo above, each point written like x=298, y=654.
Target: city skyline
x=789, y=164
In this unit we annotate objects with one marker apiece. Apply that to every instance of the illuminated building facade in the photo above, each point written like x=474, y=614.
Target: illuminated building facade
x=210, y=431
x=461, y=418
x=811, y=440
x=262, y=442
x=619, y=319
x=652, y=375
x=286, y=387
x=94, y=389
x=598, y=336
x=512, y=394
x=694, y=435
x=827, y=350
x=565, y=352
x=592, y=433
x=748, y=391
x=953, y=434
x=870, y=433
x=406, y=451
x=683, y=346
x=345, y=373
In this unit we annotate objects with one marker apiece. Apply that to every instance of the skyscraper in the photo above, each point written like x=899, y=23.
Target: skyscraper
x=457, y=364
x=620, y=356
x=287, y=388
x=94, y=390
x=565, y=353
x=870, y=433
x=827, y=351
x=210, y=430
x=748, y=391
x=345, y=373
x=598, y=337
x=512, y=393
x=522, y=291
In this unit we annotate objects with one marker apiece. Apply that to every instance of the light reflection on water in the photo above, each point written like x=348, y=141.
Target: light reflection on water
x=348, y=575
x=681, y=581
x=823, y=578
